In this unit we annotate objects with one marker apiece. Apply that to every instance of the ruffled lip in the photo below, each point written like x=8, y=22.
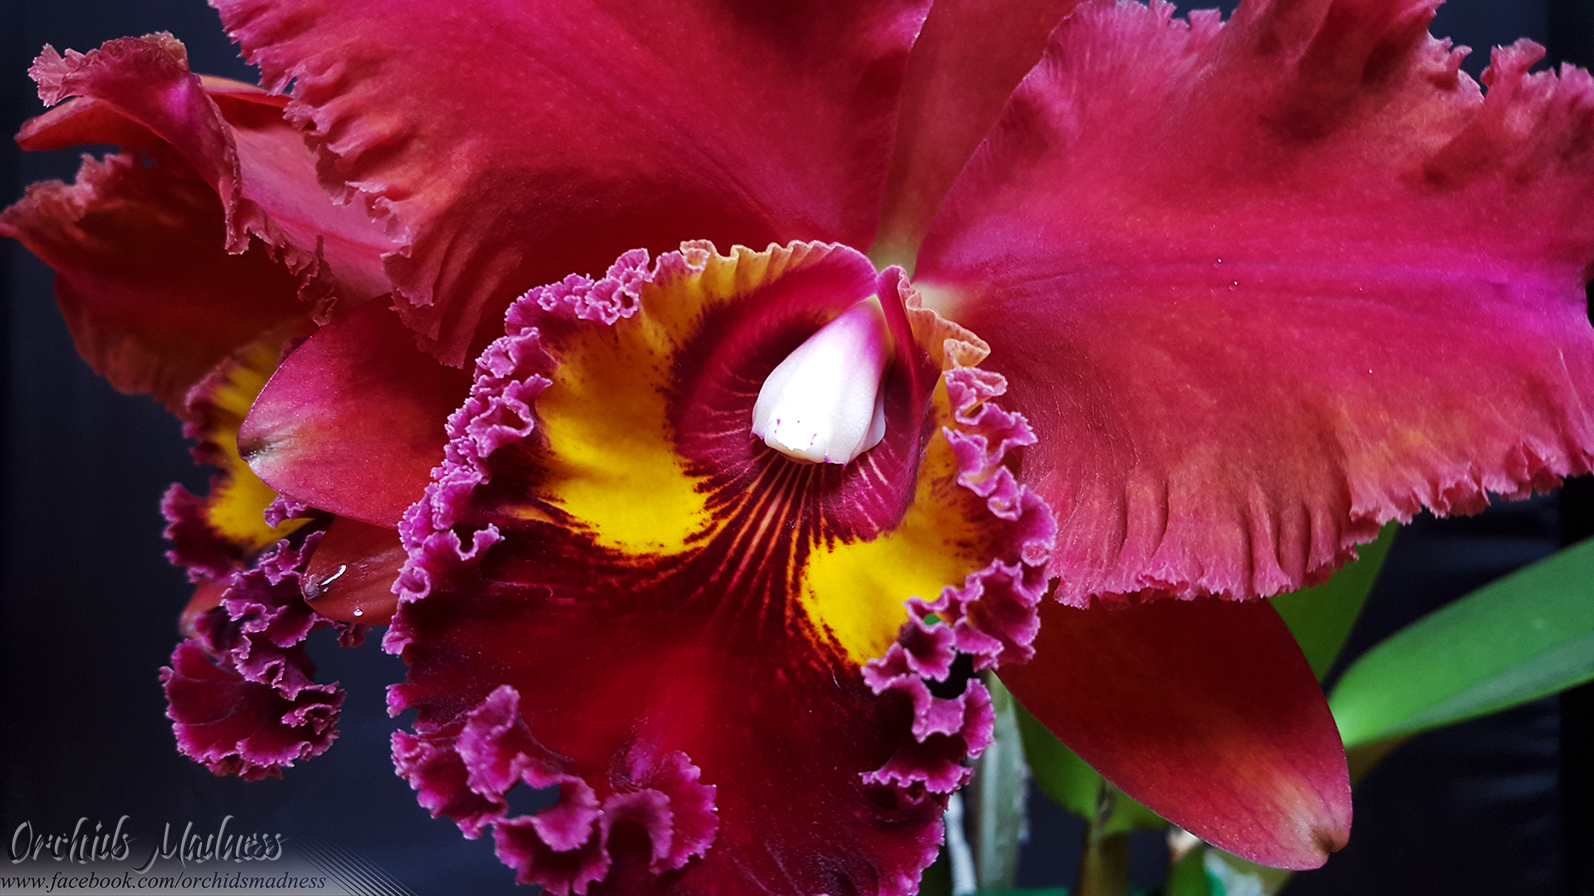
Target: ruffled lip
x=497, y=597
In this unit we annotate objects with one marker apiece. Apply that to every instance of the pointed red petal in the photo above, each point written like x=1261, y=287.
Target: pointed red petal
x=1204, y=711
x=1263, y=286
x=352, y=422
x=523, y=140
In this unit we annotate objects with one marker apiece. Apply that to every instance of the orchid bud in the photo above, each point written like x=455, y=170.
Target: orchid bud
x=824, y=403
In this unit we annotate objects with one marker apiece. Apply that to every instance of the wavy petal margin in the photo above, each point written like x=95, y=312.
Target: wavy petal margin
x=241, y=691
x=1263, y=286
x=156, y=272
x=139, y=91
x=527, y=139
x=218, y=534
x=666, y=663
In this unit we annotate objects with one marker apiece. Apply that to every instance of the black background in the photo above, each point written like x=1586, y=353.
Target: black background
x=89, y=606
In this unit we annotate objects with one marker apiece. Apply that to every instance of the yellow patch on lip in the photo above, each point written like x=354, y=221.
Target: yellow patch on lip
x=610, y=452
x=236, y=505
x=611, y=456
x=857, y=590
x=610, y=465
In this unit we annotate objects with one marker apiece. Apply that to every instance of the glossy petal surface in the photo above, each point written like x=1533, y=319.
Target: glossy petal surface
x=352, y=421
x=1203, y=710
x=614, y=587
x=1263, y=286
x=350, y=576
x=515, y=142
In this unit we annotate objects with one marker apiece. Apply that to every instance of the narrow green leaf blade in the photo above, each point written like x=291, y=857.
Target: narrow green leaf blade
x=999, y=796
x=1517, y=639
x=1320, y=618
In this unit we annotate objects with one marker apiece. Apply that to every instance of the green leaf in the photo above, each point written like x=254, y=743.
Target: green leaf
x=1520, y=638
x=1229, y=874
x=1060, y=774
x=999, y=796
x=1189, y=877
x=1070, y=782
x=1320, y=618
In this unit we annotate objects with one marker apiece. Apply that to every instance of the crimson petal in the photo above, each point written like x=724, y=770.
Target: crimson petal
x=233, y=136
x=1206, y=712
x=157, y=276
x=1261, y=287
x=964, y=65
x=151, y=300
x=350, y=577
x=523, y=140
x=352, y=421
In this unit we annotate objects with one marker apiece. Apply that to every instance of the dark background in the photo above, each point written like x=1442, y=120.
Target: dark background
x=89, y=607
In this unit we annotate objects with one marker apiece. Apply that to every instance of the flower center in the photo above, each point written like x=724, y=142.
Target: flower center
x=823, y=403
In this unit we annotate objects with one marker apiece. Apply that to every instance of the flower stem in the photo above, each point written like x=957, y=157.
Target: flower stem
x=1103, y=865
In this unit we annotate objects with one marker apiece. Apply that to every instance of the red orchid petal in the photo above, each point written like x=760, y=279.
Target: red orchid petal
x=615, y=589
x=151, y=299
x=352, y=421
x=240, y=727
x=232, y=135
x=144, y=278
x=1204, y=711
x=1263, y=286
x=528, y=139
x=350, y=577
x=241, y=689
x=964, y=65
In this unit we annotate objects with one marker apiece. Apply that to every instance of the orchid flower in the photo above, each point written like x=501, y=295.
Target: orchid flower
x=1079, y=329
